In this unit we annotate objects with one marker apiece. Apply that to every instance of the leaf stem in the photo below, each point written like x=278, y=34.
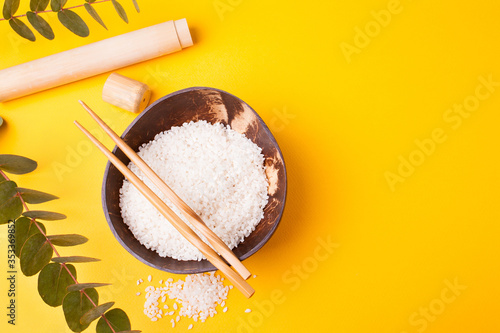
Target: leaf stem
x=55, y=250
x=48, y=11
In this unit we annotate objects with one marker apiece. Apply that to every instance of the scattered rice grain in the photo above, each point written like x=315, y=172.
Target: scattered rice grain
x=197, y=297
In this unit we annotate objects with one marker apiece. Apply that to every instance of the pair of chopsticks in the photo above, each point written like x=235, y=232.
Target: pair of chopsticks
x=238, y=279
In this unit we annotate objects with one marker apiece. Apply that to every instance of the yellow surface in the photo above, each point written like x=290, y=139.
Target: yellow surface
x=417, y=253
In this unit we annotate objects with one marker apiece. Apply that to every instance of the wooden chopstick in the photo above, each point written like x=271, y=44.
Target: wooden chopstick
x=188, y=213
x=185, y=231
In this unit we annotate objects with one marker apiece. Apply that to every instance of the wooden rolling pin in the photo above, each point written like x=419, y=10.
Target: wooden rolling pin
x=93, y=59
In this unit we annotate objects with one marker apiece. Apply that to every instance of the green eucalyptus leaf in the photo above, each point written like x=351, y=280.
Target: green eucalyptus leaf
x=16, y=164
x=118, y=320
x=57, y=5
x=95, y=313
x=90, y=9
x=44, y=215
x=1, y=121
x=90, y=1
x=25, y=228
x=67, y=240
x=75, y=304
x=76, y=259
x=40, y=25
x=11, y=206
x=35, y=197
x=136, y=5
x=38, y=5
x=35, y=254
x=10, y=7
x=119, y=9
x=73, y=22
x=22, y=29
x=81, y=286
x=52, y=283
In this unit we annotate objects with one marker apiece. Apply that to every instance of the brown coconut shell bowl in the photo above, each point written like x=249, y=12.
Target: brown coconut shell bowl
x=193, y=104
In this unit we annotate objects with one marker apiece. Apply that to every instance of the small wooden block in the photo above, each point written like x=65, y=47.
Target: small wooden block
x=126, y=93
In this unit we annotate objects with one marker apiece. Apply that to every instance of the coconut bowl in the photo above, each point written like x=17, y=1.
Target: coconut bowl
x=193, y=104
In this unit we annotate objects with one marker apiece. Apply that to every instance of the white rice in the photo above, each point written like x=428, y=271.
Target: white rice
x=199, y=295
x=218, y=172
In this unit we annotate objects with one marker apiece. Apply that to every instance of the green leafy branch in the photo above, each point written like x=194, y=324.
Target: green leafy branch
x=57, y=281
x=71, y=20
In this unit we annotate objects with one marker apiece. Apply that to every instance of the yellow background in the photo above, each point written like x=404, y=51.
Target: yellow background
x=342, y=123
